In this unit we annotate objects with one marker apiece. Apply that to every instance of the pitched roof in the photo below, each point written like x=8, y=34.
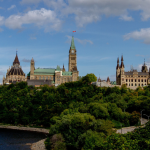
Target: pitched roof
x=16, y=60
x=44, y=71
x=72, y=43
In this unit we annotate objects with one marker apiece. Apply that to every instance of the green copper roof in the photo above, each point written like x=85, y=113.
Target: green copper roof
x=72, y=43
x=28, y=74
x=44, y=71
x=58, y=68
x=67, y=73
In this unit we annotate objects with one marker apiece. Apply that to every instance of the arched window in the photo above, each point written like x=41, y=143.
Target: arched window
x=142, y=84
x=135, y=84
x=145, y=80
x=142, y=80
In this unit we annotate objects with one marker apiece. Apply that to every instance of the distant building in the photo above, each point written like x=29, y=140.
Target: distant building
x=58, y=75
x=15, y=73
x=132, y=78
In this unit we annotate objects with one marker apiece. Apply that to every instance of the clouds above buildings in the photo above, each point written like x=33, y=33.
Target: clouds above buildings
x=41, y=18
x=143, y=34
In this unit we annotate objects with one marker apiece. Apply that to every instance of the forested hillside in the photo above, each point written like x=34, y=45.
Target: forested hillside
x=80, y=115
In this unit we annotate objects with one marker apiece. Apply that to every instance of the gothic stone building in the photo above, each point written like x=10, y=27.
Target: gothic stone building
x=132, y=78
x=15, y=73
x=58, y=75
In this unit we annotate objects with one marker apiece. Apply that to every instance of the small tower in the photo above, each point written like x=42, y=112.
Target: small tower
x=118, y=73
x=32, y=68
x=108, y=80
x=72, y=56
x=63, y=70
x=144, y=67
x=122, y=80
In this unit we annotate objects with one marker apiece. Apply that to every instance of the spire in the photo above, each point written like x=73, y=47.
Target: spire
x=108, y=80
x=72, y=43
x=63, y=68
x=16, y=61
x=144, y=61
x=117, y=63
x=122, y=58
x=122, y=64
x=118, y=60
x=32, y=59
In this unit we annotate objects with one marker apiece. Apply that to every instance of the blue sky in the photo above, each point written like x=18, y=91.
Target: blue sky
x=105, y=29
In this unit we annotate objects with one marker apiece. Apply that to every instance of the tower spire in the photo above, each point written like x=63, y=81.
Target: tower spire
x=117, y=63
x=16, y=60
x=72, y=43
x=122, y=64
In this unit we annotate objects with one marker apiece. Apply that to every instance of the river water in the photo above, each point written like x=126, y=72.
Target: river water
x=18, y=140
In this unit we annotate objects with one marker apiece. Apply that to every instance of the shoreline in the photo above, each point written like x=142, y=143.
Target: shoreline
x=34, y=146
x=32, y=129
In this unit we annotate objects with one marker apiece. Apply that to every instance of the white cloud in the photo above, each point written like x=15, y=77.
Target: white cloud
x=88, y=11
x=1, y=20
x=126, y=18
x=41, y=18
x=30, y=1
x=80, y=41
x=11, y=7
x=143, y=34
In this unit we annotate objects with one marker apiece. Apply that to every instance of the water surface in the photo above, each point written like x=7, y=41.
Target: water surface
x=18, y=140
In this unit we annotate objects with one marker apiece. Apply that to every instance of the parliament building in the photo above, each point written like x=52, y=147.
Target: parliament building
x=56, y=75
x=132, y=78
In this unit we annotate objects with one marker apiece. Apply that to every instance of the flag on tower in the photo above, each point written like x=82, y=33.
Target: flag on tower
x=73, y=31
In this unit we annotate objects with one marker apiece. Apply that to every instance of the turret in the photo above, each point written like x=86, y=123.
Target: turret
x=32, y=67
x=144, y=67
x=118, y=72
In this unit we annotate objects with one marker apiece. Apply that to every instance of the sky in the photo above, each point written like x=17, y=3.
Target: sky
x=105, y=30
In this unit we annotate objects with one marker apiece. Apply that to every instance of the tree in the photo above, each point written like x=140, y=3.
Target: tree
x=92, y=77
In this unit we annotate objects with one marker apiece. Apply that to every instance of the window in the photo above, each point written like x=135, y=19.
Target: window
x=142, y=84
x=139, y=84
x=135, y=84
x=138, y=76
x=138, y=80
x=142, y=80
x=129, y=84
x=141, y=76
x=145, y=80
x=135, y=80
x=126, y=80
x=43, y=78
x=132, y=84
x=46, y=78
x=122, y=79
x=131, y=80
x=50, y=78
x=40, y=77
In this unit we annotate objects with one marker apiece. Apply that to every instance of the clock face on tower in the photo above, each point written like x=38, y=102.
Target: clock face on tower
x=72, y=51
